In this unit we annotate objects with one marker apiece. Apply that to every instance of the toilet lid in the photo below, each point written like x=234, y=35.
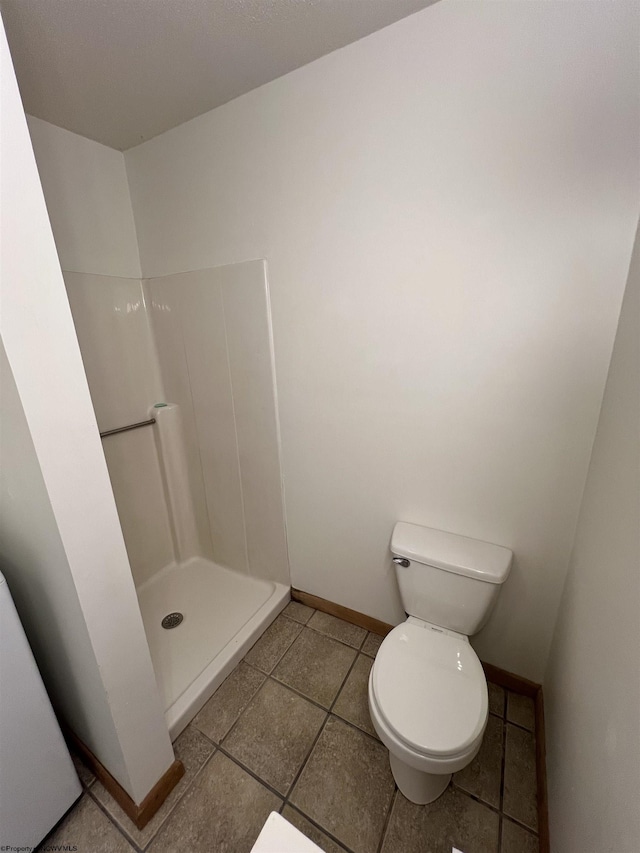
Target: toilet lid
x=431, y=690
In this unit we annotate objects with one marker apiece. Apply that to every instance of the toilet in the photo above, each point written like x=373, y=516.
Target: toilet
x=427, y=690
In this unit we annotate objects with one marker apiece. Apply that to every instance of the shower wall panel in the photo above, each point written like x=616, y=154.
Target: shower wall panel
x=213, y=339
x=117, y=350
x=245, y=300
x=137, y=486
x=167, y=332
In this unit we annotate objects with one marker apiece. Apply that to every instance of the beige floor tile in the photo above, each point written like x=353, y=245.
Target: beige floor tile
x=353, y=702
x=496, y=699
x=222, y=812
x=372, y=644
x=299, y=612
x=328, y=845
x=515, y=839
x=274, y=735
x=452, y=820
x=229, y=701
x=275, y=641
x=87, y=830
x=346, y=786
x=521, y=710
x=483, y=776
x=193, y=749
x=316, y=666
x=519, y=799
x=347, y=633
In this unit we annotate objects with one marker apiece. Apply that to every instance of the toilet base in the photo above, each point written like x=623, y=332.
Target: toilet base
x=416, y=785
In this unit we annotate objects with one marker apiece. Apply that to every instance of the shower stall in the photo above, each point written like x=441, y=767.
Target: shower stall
x=182, y=379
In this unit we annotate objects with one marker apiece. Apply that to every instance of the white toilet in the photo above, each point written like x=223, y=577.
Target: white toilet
x=427, y=690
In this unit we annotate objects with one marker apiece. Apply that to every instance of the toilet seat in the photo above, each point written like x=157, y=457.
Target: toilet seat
x=430, y=690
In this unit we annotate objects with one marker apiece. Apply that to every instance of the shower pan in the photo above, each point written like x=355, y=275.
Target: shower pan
x=182, y=379
x=223, y=611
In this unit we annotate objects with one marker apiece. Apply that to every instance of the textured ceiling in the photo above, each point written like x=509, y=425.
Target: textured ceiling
x=123, y=71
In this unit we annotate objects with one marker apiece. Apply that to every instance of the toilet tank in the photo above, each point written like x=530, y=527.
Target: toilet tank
x=446, y=579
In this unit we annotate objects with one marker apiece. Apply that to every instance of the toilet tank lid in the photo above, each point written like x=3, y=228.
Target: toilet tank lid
x=458, y=554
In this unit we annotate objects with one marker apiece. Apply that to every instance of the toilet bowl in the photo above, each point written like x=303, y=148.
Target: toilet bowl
x=429, y=705
x=428, y=695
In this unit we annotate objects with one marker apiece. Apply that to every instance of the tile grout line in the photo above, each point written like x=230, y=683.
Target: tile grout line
x=115, y=823
x=516, y=820
x=218, y=746
x=323, y=634
x=329, y=710
x=492, y=808
x=240, y=715
x=356, y=728
x=357, y=648
x=520, y=824
x=503, y=763
x=302, y=627
x=306, y=759
x=316, y=704
x=518, y=726
x=141, y=848
x=475, y=798
x=300, y=694
x=181, y=797
x=317, y=826
x=267, y=675
x=287, y=800
x=507, y=693
x=330, y=714
x=252, y=773
x=387, y=819
x=344, y=681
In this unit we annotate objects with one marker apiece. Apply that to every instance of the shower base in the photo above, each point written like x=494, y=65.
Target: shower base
x=224, y=614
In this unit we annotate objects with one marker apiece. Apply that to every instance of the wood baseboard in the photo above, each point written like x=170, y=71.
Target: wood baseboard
x=509, y=680
x=515, y=683
x=139, y=813
x=352, y=616
x=518, y=684
x=541, y=776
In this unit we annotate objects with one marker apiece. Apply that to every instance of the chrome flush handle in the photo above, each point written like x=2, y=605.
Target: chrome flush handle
x=401, y=561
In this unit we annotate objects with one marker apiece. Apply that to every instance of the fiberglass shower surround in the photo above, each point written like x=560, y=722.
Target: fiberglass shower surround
x=189, y=359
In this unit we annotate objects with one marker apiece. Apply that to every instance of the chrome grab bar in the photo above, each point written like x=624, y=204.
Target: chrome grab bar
x=127, y=428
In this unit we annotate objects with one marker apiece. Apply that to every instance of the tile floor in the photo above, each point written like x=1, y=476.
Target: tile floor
x=289, y=730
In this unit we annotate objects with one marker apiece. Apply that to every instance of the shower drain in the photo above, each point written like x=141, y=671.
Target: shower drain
x=172, y=620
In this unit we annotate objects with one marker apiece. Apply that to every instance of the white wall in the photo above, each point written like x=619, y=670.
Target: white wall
x=113, y=677
x=85, y=185
x=592, y=684
x=447, y=209
x=35, y=564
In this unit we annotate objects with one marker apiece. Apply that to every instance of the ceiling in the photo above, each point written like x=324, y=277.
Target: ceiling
x=123, y=71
